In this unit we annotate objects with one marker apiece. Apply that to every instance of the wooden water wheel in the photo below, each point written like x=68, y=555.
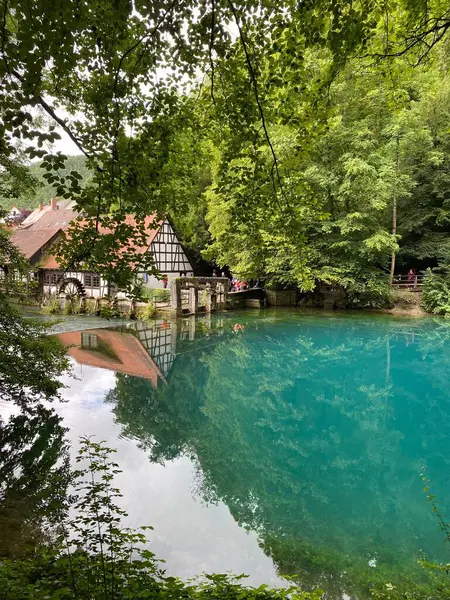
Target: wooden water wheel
x=72, y=288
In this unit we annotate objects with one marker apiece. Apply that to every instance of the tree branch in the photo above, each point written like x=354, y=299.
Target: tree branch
x=5, y=14
x=258, y=102
x=147, y=35
x=51, y=112
x=211, y=47
x=438, y=30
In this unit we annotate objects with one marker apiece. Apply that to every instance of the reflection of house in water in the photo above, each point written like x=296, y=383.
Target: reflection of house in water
x=145, y=350
x=163, y=340
x=106, y=349
x=159, y=338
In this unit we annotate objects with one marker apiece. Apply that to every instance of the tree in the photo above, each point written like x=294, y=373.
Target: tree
x=113, y=78
x=34, y=468
x=34, y=475
x=30, y=360
x=39, y=191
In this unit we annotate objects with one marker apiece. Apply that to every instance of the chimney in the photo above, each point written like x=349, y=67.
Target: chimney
x=53, y=203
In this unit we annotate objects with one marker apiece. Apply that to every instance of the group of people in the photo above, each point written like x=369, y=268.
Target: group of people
x=238, y=285
x=235, y=284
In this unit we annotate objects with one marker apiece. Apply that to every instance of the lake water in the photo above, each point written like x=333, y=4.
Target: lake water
x=272, y=442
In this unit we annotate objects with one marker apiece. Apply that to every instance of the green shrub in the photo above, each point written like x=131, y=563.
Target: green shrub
x=52, y=306
x=436, y=293
x=147, y=312
x=90, y=306
x=161, y=295
x=375, y=297
x=146, y=293
x=109, y=310
x=156, y=294
x=404, y=298
x=72, y=307
x=202, y=298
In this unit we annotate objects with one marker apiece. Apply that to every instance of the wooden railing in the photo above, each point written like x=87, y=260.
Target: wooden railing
x=404, y=282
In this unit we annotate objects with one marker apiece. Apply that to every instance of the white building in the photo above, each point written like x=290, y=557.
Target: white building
x=48, y=223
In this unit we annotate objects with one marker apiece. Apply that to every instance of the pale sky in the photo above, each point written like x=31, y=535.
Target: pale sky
x=65, y=144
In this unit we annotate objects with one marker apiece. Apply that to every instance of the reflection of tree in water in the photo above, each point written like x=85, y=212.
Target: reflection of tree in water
x=314, y=439
x=34, y=475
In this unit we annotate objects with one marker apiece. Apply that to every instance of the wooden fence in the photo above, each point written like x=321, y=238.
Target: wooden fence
x=404, y=282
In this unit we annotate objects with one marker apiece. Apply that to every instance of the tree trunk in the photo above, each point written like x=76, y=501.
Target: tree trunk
x=394, y=231
x=394, y=216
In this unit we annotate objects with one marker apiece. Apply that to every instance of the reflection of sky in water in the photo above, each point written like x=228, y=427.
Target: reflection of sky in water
x=312, y=431
x=190, y=536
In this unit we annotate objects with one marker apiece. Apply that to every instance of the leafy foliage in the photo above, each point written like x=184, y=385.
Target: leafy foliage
x=293, y=180
x=436, y=293
x=30, y=360
x=34, y=474
x=39, y=190
x=156, y=294
x=94, y=557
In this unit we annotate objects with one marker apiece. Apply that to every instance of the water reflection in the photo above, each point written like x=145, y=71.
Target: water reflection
x=34, y=478
x=113, y=350
x=311, y=432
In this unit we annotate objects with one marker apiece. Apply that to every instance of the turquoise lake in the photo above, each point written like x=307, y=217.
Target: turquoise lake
x=274, y=443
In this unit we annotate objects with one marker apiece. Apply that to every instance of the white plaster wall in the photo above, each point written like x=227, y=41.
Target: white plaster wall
x=91, y=292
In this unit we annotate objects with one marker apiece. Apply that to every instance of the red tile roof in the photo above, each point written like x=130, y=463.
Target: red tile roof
x=54, y=219
x=149, y=226
x=125, y=354
x=149, y=223
x=36, y=215
x=30, y=242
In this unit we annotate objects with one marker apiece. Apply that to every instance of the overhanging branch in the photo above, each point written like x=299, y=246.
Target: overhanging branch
x=258, y=101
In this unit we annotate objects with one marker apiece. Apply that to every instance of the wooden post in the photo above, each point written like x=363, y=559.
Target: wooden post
x=219, y=295
x=173, y=339
x=225, y=293
x=41, y=285
x=132, y=314
x=193, y=300
x=175, y=297
x=191, y=326
x=211, y=299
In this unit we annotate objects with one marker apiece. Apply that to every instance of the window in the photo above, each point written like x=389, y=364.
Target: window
x=89, y=340
x=54, y=277
x=91, y=280
x=46, y=278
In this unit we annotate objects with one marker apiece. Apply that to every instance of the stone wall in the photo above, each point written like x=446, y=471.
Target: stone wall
x=281, y=298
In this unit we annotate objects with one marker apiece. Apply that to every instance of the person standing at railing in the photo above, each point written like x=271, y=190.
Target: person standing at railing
x=411, y=278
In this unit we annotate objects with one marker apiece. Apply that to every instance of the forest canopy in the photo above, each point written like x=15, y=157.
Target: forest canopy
x=298, y=142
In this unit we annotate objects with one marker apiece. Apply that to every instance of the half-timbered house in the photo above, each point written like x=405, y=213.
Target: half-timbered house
x=169, y=255
x=48, y=223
